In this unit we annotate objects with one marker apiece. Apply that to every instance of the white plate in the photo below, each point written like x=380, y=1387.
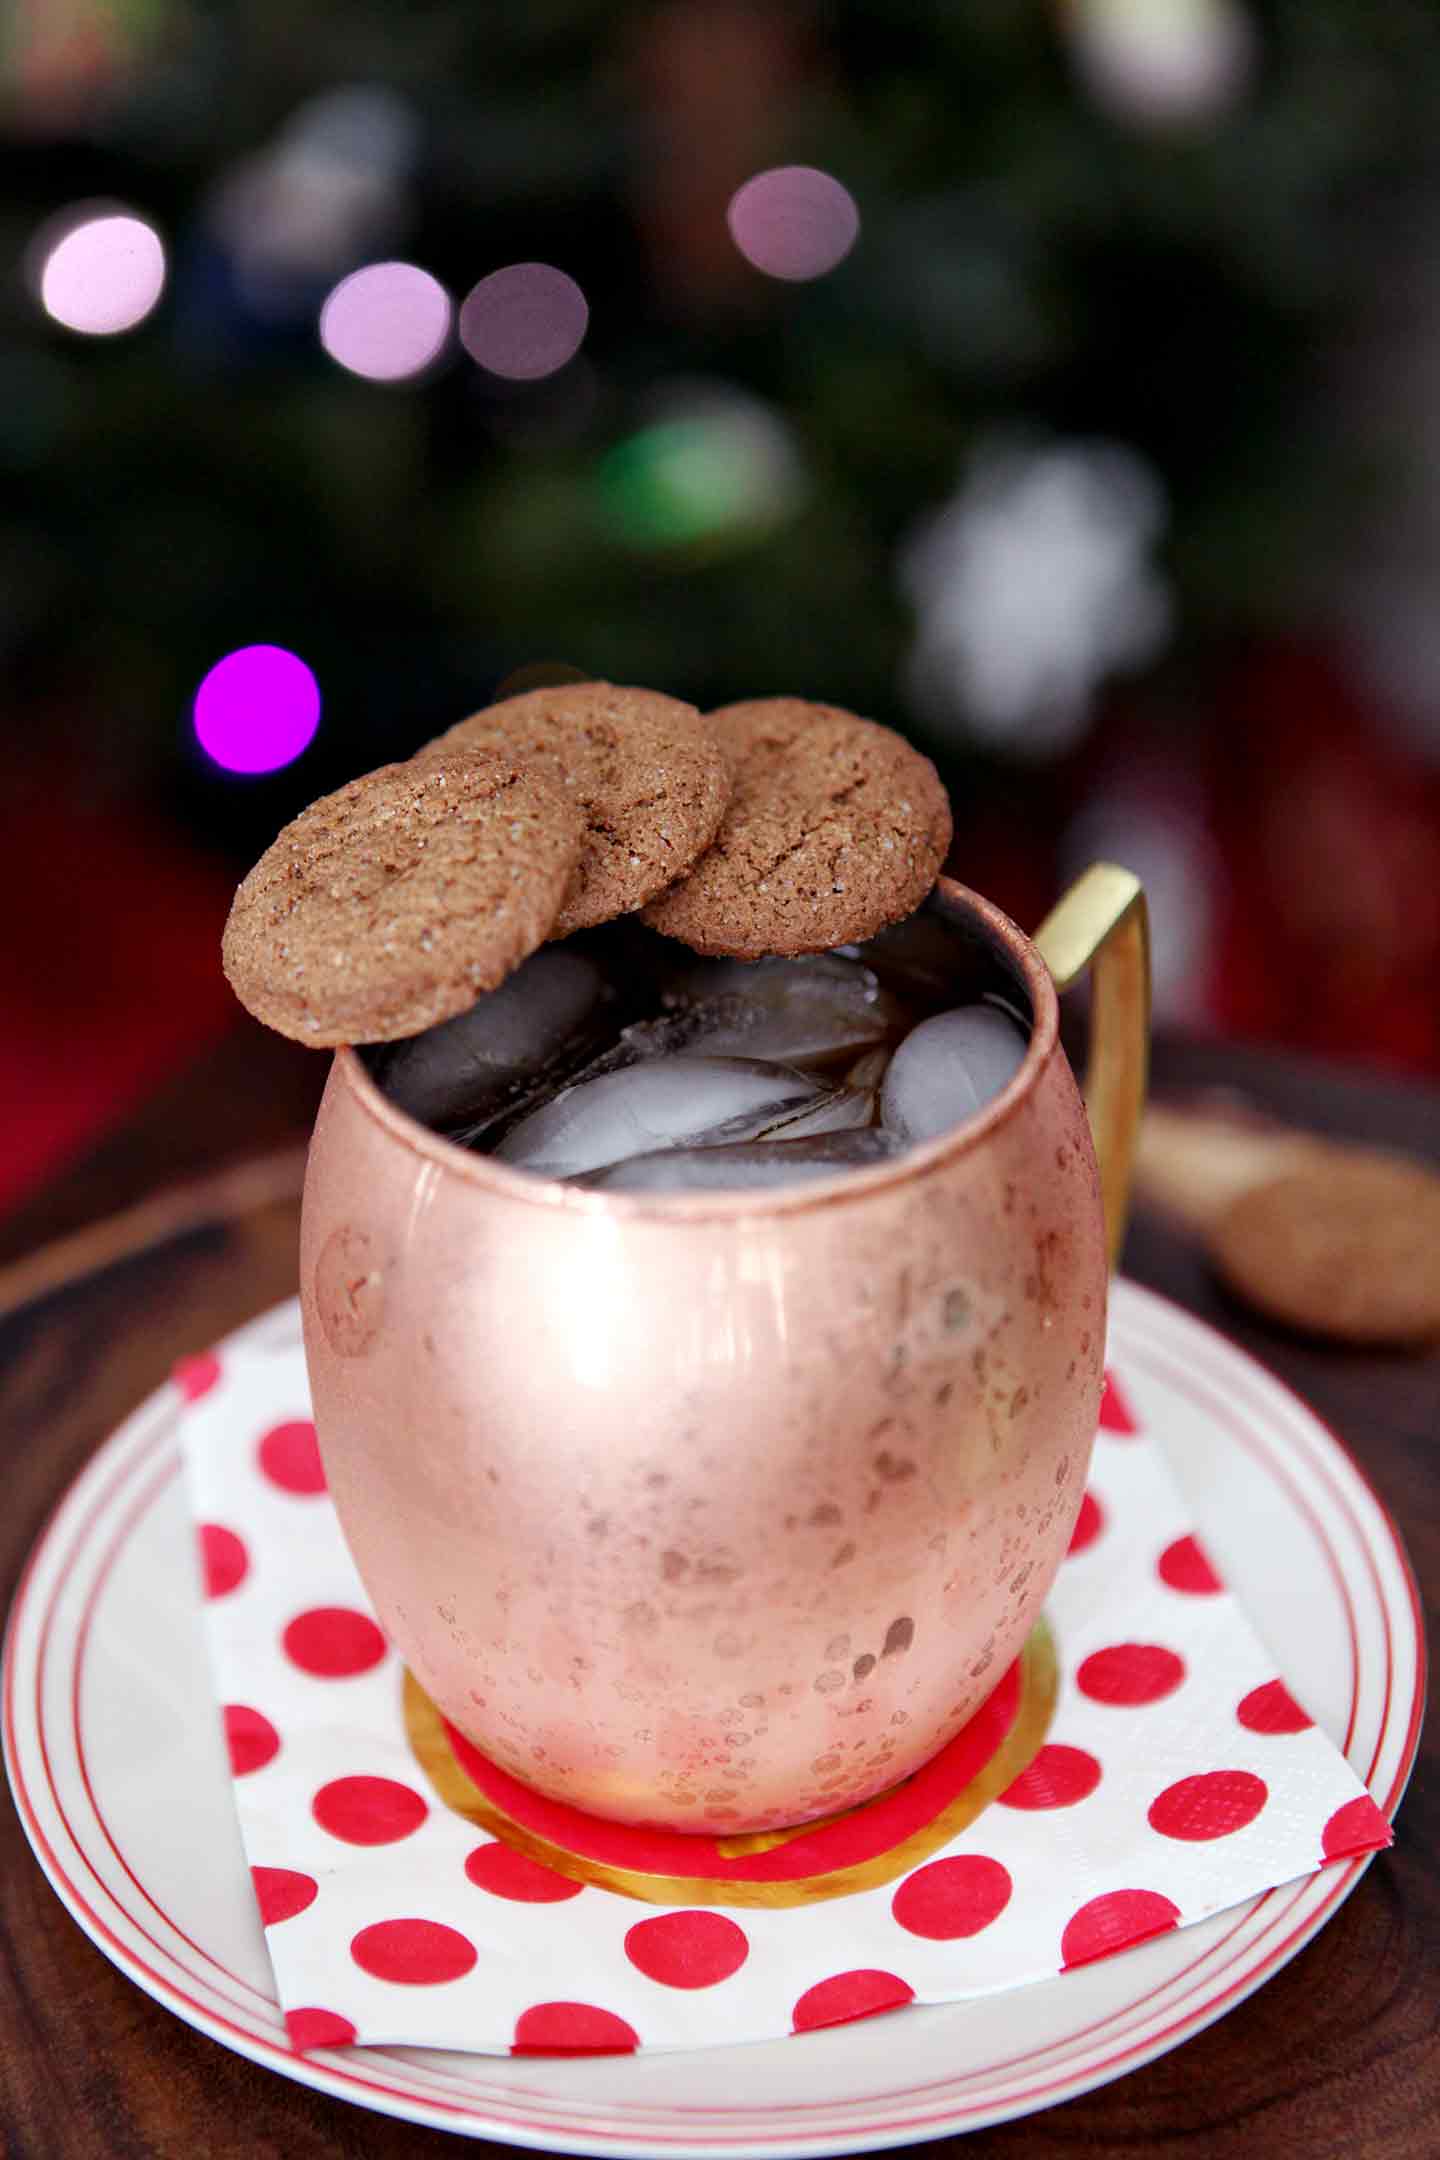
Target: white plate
x=114, y=1753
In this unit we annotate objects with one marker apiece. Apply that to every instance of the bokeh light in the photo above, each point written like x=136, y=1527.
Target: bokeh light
x=257, y=709
x=366, y=124
x=525, y=321
x=98, y=270
x=714, y=470
x=1151, y=816
x=793, y=222
x=1163, y=63
x=330, y=189
x=386, y=322
x=1031, y=587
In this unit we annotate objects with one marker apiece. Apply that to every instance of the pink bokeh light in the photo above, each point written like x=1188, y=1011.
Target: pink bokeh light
x=101, y=273
x=524, y=322
x=793, y=222
x=387, y=322
x=257, y=709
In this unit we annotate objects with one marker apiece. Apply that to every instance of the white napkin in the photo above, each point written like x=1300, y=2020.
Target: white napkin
x=1177, y=1777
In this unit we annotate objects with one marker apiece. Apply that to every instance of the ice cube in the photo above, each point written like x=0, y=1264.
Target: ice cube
x=757, y=1164
x=658, y=1103
x=467, y=1067
x=844, y=1110
x=814, y=1011
x=948, y=1068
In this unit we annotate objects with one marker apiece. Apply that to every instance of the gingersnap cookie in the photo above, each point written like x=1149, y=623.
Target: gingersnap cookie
x=394, y=902
x=836, y=827
x=1348, y=1249
x=645, y=771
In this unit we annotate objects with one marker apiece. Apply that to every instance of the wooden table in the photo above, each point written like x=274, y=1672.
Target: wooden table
x=1339, y=2055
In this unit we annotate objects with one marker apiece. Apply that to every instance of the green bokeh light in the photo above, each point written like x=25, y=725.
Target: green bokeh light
x=707, y=479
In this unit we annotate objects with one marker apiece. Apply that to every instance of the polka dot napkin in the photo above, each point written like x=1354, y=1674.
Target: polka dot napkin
x=1177, y=1776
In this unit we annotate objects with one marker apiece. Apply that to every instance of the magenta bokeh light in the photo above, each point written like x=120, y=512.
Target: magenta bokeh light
x=793, y=222
x=524, y=322
x=386, y=322
x=257, y=709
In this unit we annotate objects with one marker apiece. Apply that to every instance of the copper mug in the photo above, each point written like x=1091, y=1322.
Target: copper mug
x=725, y=1511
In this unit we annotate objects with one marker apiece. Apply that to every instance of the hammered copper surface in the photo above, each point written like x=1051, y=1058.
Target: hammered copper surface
x=712, y=1511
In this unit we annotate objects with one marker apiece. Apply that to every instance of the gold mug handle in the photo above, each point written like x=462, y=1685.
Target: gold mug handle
x=1103, y=924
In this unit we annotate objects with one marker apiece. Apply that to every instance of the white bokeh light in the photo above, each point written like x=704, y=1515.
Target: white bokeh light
x=524, y=322
x=1030, y=586
x=1163, y=62
x=330, y=189
x=1151, y=817
x=387, y=322
x=98, y=270
x=366, y=125
x=793, y=222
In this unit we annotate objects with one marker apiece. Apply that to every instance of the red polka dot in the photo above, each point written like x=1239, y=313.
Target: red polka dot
x=1215, y=1804
x=849, y=1995
x=1272, y=1709
x=572, y=2028
x=368, y=1810
x=687, y=1949
x=290, y=1458
x=1058, y=1777
x=1088, y=1524
x=951, y=1898
x=195, y=1376
x=1114, y=1922
x=312, y=2028
x=281, y=1892
x=1358, y=1827
x=223, y=1559
x=413, y=1953
x=1185, y=1566
x=1130, y=1673
x=333, y=1643
x=251, y=1739
x=1116, y=1415
x=510, y=1874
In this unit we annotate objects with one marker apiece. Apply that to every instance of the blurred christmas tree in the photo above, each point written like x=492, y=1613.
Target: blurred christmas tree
x=1104, y=248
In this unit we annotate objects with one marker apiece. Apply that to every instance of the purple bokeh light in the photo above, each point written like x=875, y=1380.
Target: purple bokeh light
x=386, y=322
x=524, y=322
x=257, y=709
x=793, y=222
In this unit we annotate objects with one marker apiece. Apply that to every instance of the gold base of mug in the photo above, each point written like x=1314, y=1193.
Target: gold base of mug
x=1037, y=1686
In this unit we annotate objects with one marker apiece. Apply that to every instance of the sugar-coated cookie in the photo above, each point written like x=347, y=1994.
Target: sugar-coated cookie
x=1349, y=1248
x=646, y=772
x=396, y=901
x=835, y=828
